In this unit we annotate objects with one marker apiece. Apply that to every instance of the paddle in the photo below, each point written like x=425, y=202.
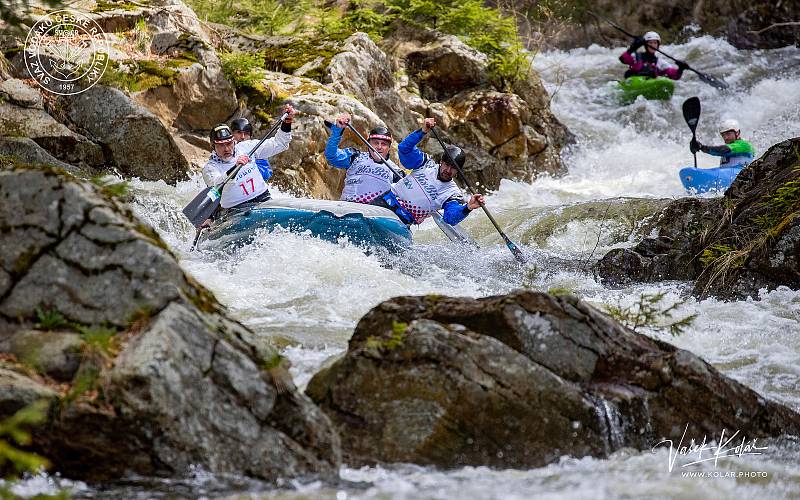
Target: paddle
x=691, y=113
x=712, y=80
x=453, y=234
x=207, y=201
x=510, y=244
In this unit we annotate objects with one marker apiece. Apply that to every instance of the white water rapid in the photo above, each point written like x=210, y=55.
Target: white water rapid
x=308, y=295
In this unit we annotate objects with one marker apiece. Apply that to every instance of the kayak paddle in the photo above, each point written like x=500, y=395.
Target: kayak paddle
x=453, y=234
x=206, y=202
x=510, y=244
x=691, y=113
x=712, y=80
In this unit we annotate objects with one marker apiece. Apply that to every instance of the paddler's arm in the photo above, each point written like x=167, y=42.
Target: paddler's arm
x=411, y=157
x=339, y=158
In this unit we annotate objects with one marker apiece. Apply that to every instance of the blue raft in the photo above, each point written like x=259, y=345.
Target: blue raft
x=363, y=225
x=701, y=180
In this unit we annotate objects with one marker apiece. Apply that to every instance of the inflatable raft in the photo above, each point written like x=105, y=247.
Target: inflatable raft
x=660, y=88
x=363, y=225
x=701, y=180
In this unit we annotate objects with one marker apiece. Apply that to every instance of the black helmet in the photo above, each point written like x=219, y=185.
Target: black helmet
x=456, y=153
x=221, y=133
x=380, y=133
x=241, y=124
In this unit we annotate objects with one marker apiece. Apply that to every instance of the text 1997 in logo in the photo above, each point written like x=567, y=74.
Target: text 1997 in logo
x=66, y=52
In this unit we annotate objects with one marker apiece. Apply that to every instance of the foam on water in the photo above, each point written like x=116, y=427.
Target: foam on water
x=311, y=293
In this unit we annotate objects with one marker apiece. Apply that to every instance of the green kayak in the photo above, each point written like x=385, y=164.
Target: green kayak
x=660, y=88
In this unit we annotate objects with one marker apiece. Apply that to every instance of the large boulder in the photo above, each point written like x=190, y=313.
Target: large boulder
x=27, y=151
x=135, y=141
x=507, y=135
x=519, y=381
x=143, y=371
x=732, y=246
x=363, y=70
x=35, y=124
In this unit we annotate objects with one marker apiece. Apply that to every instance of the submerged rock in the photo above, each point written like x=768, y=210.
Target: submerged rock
x=518, y=381
x=144, y=372
x=732, y=246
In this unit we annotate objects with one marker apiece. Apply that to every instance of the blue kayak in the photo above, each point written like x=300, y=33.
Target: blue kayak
x=363, y=225
x=701, y=180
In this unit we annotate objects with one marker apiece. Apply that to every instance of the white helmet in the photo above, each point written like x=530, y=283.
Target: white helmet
x=651, y=35
x=728, y=124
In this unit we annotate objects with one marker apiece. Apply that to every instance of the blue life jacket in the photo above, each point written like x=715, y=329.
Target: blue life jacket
x=264, y=168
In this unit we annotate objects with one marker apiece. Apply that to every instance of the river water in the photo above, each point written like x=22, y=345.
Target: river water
x=307, y=295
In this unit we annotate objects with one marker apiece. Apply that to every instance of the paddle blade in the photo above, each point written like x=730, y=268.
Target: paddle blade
x=454, y=233
x=691, y=112
x=515, y=250
x=202, y=206
x=712, y=80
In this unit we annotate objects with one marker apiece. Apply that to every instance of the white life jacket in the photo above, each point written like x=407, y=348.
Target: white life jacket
x=422, y=193
x=735, y=161
x=366, y=179
x=246, y=185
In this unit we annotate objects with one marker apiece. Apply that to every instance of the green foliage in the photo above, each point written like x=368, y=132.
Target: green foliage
x=268, y=17
x=486, y=29
x=648, y=312
x=109, y=187
x=241, y=68
x=483, y=28
x=13, y=433
x=714, y=252
x=783, y=206
x=98, y=338
x=559, y=291
x=138, y=75
x=362, y=16
x=50, y=319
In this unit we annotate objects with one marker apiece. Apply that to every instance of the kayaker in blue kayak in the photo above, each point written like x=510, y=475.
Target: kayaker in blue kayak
x=249, y=184
x=736, y=152
x=647, y=63
x=243, y=131
x=366, y=176
x=430, y=186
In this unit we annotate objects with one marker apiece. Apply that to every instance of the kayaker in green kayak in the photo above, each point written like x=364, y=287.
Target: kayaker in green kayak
x=735, y=152
x=647, y=63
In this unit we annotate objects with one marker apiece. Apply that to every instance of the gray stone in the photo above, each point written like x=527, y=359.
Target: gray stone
x=174, y=383
x=57, y=139
x=55, y=354
x=519, y=381
x=136, y=141
x=20, y=94
x=18, y=391
x=26, y=150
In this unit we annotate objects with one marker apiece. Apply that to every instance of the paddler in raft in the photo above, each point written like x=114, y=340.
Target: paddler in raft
x=736, y=152
x=647, y=63
x=430, y=186
x=366, y=175
x=249, y=185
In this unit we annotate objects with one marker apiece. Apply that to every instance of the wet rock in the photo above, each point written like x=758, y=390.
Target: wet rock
x=549, y=376
x=732, y=246
x=57, y=139
x=164, y=379
x=135, y=140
